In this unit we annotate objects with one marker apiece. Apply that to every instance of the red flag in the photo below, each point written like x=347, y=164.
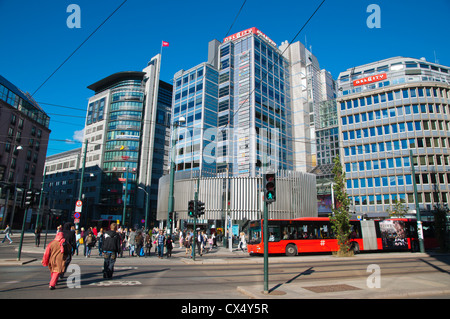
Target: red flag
x=165, y=44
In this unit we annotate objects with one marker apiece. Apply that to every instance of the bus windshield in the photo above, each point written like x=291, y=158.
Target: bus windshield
x=254, y=232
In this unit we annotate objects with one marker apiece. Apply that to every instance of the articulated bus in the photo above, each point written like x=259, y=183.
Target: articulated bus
x=314, y=235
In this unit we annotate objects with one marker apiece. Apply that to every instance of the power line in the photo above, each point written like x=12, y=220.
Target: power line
x=67, y=59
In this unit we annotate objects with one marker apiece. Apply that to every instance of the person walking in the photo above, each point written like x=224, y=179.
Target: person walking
x=242, y=242
x=70, y=237
x=160, y=239
x=54, y=258
x=111, y=248
x=37, y=236
x=77, y=238
x=8, y=234
x=90, y=242
x=169, y=246
x=100, y=241
x=132, y=241
x=139, y=243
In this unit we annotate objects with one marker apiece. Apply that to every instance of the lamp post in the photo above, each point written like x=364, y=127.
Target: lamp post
x=125, y=199
x=172, y=171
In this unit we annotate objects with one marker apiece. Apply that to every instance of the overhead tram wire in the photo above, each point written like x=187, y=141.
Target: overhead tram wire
x=67, y=59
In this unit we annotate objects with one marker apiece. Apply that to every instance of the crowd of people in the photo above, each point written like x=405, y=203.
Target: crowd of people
x=114, y=242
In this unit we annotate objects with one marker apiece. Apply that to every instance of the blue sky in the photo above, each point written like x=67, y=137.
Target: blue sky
x=36, y=40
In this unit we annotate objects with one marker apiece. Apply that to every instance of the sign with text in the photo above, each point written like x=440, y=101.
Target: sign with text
x=370, y=79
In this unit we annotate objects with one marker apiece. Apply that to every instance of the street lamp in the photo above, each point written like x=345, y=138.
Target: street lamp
x=170, y=205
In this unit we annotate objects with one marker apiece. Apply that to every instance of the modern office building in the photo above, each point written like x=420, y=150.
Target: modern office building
x=24, y=135
x=63, y=182
x=125, y=149
x=388, y=109
x=242, y=103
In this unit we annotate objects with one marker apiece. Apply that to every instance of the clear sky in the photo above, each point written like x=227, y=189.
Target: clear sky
x=35, y=40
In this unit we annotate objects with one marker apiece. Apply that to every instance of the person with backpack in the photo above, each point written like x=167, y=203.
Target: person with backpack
x=90, y=243
x=111, y=248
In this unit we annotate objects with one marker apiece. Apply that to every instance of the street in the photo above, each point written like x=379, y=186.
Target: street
x=225, y=275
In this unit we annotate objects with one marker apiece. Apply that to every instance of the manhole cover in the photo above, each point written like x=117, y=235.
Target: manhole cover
x=331, y=288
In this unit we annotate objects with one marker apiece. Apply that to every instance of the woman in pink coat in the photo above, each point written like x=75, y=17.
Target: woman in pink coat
x=55, y=256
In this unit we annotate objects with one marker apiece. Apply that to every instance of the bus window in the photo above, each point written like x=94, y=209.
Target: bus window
x=289, y=232
x=274, y=233
x=254, y=232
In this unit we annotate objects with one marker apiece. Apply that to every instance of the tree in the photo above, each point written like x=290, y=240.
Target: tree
x=399, y=210
x=340, y=219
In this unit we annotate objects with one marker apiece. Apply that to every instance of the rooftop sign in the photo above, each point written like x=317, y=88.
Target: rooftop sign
x=247, y=32
x=370, y=79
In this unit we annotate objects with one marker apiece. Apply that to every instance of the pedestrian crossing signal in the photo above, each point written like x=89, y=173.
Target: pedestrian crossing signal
x=269, y=187
x=191, y=208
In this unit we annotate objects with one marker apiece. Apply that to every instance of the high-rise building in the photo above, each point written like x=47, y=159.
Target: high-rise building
x=244, y=97
x=388, y=109
x=24, y=134
x=309, y=87
x=127, y=137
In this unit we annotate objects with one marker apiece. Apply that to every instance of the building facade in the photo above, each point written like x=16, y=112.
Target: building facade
x=24, y=135
x=125, y=149
x=387, y=110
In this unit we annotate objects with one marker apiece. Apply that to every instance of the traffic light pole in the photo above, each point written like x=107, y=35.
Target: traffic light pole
x=266, y=248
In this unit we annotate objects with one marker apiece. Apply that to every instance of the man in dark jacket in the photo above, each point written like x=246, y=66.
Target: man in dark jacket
x=69, y=236
x=111, y=247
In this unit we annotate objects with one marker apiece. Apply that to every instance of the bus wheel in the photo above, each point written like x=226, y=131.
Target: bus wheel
x=291, y=250
x=355, y=248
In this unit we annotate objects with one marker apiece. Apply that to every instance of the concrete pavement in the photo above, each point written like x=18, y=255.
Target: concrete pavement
x=389, y=287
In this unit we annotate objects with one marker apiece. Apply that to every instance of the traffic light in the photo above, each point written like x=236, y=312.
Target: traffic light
x=191, y=208
x=200, y=208
x=170, y=218
x=269, y=188
x=29, y=197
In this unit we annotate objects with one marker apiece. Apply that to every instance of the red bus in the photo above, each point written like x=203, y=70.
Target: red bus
x=314, y=234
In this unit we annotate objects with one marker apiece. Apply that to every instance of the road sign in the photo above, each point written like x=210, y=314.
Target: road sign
x=76, y=220
x=76, y=215
x=78, y=206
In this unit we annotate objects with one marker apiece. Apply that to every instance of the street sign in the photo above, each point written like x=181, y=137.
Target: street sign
x=76, y=215
x=76, y=220
x=78, y=206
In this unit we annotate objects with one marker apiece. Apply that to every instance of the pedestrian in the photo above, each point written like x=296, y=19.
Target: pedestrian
x=82, y=240
x=69, y=236
x=111, y=248
x=100, y=241
x=90, y=243
x=132, y=241
x=169, y=246
x=139, y=243
x=181, y=239
x=148, y=245
x=77, y=238
x=200, y=243
x=160, y=239
x=187, y=243
x=37, y=236
x=242, y=241
x=8, y=234
x=55, y=256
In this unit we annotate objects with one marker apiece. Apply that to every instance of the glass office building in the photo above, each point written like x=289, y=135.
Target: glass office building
x=240, y=103
x=127, y=131
x=387, y=109
x=195, y=99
